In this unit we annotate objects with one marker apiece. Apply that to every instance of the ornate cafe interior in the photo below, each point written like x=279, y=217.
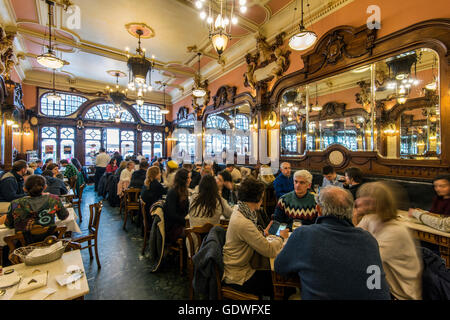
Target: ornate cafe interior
x=224, y=150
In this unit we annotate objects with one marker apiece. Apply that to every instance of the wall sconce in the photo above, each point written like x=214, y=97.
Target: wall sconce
x=272, y=119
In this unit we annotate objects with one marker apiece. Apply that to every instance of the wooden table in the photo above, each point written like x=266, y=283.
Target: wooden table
x=4, y=206
x=427, y=234
x=73, y=291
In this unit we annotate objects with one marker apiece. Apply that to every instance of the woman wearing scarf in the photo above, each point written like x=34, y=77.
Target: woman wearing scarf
x=244, y=239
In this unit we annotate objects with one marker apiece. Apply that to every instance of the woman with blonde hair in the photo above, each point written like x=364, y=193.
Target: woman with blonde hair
x=152, y=190
x=125, y=177
x=376, y=212
x=266, y=175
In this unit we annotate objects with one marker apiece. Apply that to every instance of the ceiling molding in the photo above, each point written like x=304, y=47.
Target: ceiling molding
x=7, y=14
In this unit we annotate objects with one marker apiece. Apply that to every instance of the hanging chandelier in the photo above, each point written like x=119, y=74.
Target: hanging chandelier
x=54, y=97
x=165, y=110
x=139, y=67
x=317, y=107
x=49, y=59
x=290, y=106
x=199, y=90
x=303, y=39
x=117, y=96
x=220, y=16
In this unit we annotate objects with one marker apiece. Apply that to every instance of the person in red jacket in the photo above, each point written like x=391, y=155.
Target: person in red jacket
x=441, y=203
x=112, y=166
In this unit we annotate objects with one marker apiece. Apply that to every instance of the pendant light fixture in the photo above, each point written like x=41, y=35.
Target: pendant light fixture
x=316, y=107
x=54, y=97
x=49, y=59
x=165, y=110
x=198, y=90
x=139, y=66
x=117, y=96
x=304, y=39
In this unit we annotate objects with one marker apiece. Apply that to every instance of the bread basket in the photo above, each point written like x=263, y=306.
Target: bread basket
x=35, y=259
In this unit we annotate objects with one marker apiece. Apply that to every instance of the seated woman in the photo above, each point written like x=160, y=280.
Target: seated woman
x=54, y=185
x=402, y=263
x=176, y=206
x=112, y=166
x=244, y=239
x=226, y=187
x=125, y=178
x=35, y=209
x=152, y=190
x=207, y=205
x=123, y=165
x=169, y=177
x=266, y=175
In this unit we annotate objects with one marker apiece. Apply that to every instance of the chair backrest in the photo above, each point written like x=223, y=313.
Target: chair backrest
x=95, y=211
x=80, y=191
x=145, y=216
x=72, y=182
x=194, y=238
x=20, y=239
x=132, y=196
x=71, y=246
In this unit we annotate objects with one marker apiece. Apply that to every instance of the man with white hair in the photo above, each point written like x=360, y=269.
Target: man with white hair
x=283, y=183
x=298, y=204
x=333, y=259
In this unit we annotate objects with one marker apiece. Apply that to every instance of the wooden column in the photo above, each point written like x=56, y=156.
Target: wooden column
x=7, y=144
x=80, y=148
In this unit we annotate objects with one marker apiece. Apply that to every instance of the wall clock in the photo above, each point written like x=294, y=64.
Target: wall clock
x=33, y=121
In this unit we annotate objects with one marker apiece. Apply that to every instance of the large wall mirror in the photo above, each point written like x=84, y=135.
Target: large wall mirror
x=235, y=118
x=392, y=106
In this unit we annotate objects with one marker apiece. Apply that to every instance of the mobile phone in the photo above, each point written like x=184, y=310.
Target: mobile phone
x=282, y=227
x=276, y=227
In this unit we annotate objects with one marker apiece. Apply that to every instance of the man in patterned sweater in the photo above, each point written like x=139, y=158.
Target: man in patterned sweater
x=298, y=204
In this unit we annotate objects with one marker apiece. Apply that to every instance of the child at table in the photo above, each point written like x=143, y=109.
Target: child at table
x=36, y=209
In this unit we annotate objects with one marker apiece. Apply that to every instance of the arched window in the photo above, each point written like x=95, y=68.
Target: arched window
x=69, y=104
x=241, y=122
x=101, y=112
x=150, y=113
x=216, y=122
x=186, y=124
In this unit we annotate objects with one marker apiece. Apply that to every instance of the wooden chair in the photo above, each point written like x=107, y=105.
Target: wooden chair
x=194, y=238
x=226, y=292
x=71, y=246
x=73, y=182
x=77, y=200
x=147, y=224
x=178, y=247
x=19, y=240
x=95, y=211
x=131, y=196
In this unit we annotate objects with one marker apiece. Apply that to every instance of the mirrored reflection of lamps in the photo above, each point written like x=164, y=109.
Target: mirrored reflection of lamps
x=304, y=38
x=402, y=81
x=316, y=107
x=390, y=129
x=165, y=110
x=49, y=59
x=433, y=84
x=54, y=97
x=198, y=90
x=139, y=67
x=291, y=105
x=220, y=17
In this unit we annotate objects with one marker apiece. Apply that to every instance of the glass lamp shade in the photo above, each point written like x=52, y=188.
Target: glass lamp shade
x=165, y=111
x=302, y=40
x=140, y=102
x=117, y=120
x=220, y=42
x=49, y=60
x=316, y=108
x=54, y=97
x=199, y=92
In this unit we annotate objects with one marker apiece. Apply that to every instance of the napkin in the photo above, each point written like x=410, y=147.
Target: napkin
x=33, y=282
x=39, y=252
x=41, y=295
x=67, y=279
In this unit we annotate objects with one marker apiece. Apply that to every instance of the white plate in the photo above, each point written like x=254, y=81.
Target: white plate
x=9, y=280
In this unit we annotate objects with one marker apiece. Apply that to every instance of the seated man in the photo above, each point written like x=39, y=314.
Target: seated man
x=333, y=259
x=331, y=178
x=11, y=183
x=138, y=176
x=54, y=185
x=298, y=204
x=70, y=170
x=353, y=180
x=38, y=169
x=283, y=182
x=195, y=175
x=236, y=175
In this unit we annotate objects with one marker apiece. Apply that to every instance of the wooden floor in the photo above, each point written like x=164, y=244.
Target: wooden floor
x=125, y=274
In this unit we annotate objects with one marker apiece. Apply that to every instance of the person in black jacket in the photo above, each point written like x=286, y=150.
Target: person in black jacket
x=152, y=189
x=54, y=185
x=195, y=175
x=11, y=183
x=353, y=180
x=176, y=206
x=138, y=177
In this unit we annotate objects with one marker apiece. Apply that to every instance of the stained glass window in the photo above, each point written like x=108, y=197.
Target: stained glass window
x=242, y=122
x=150, y=113
x=101, y=112
x=216, y=122
x=69, y=104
